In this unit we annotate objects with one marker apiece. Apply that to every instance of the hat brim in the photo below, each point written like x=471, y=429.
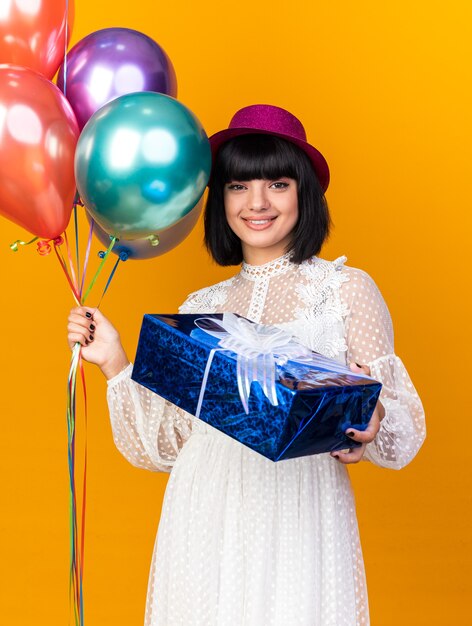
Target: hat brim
x=317, y=159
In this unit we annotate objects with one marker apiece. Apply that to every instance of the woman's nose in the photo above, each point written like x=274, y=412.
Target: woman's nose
x=258, y=200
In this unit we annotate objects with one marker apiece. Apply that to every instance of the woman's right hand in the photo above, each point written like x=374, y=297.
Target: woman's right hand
x=99, y=339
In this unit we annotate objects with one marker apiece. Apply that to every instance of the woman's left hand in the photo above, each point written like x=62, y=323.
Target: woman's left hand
x=363, y=436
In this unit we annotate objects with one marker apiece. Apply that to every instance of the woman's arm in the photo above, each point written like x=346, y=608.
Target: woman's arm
x=369, y=337
x=147, y=430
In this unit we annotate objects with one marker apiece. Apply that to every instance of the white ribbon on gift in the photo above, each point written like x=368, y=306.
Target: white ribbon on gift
x=258, y=348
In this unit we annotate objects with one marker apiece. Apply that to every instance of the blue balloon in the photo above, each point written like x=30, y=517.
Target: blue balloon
x=142, y=163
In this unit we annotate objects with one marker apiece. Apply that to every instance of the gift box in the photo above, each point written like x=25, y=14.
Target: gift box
x=254, y=383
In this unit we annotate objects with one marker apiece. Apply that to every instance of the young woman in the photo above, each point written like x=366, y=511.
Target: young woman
x=243, y=540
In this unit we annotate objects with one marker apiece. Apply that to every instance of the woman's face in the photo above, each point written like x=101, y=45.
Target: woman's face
x=263, y=214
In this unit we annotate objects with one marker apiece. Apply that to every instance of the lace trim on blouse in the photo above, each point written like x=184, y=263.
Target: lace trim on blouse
x=322, y=314
x=208, y=299
x=268, y=270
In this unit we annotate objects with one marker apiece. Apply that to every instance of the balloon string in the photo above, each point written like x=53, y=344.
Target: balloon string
x=76, y=551
x=64, y=269
x=71, y=264
x=77, y=543
x=87, y=254
x=100, y=267
x=44, y=247
x=76, y=548
x=123, y=257
x=19, y=242
x=76, y=530
x=66, y=41
x=76, y=230
x=84, y=488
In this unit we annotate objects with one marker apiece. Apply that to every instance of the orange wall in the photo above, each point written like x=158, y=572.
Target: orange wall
x=383, y=91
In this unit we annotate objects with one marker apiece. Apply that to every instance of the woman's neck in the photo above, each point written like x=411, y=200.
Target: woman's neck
x=261, y=256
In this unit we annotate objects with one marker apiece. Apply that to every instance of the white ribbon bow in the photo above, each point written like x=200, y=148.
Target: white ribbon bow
x=258, y=348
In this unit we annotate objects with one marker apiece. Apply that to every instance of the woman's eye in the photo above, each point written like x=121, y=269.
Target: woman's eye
x=279, y=185
x=235, y=187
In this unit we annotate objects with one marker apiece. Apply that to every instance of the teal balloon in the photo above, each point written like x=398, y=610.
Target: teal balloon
x=142, y=163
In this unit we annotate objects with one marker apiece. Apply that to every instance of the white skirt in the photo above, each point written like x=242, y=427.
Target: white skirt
x=244, y=541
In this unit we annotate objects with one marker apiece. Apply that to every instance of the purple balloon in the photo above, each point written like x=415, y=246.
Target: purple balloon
x=109, y=63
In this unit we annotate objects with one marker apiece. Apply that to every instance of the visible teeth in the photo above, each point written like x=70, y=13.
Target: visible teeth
x=259, y=221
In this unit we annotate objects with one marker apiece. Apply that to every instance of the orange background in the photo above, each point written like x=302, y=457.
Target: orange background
x=383, y=91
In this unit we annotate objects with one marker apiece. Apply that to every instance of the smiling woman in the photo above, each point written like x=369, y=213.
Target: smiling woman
x=263, y=176
x=244, y=540
x=263, y=214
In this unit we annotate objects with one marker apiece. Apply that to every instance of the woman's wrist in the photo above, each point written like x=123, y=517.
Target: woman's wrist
x=115, y=365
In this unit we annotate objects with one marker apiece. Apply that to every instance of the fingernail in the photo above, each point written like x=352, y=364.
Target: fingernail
x=88, y=314
x=92, y=326
x=350, y=433
x=91, y=337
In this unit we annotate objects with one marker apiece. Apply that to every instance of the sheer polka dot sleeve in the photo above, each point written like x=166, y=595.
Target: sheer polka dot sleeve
x=147, y=430
x=370, y=342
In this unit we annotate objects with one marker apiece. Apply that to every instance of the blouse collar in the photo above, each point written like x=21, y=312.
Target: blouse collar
x=272, y=268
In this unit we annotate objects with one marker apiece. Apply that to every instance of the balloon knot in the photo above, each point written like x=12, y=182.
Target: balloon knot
x=44, y=247
x=58, y=241
x=124, y=256
x=101, y=254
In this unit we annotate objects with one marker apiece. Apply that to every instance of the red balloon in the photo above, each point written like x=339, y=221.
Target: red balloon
x=33, y=33
x=38, y=135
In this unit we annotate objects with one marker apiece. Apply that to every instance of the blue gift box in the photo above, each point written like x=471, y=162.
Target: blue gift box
x=317, y=399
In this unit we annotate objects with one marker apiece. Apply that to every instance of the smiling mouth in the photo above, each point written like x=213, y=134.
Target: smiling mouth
x=260, y=222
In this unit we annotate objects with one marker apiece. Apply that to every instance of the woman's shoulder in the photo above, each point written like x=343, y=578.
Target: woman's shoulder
x=316, y=266
x=324, y=272
x=355, y=286
x=206, y=300
x=336, y=276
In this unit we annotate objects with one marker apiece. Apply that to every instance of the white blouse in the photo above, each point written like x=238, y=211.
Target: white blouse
x=332, y=309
